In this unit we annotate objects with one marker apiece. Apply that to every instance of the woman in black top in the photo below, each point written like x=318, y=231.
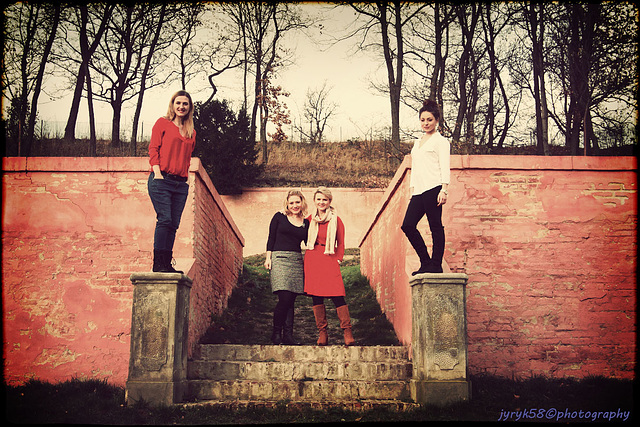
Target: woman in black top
x=288, y=229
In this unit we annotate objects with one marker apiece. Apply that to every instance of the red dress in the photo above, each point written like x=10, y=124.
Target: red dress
x=322, y=275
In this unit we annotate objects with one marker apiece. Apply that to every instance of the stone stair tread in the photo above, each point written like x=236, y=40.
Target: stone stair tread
x=297, y=370
x=304, y=376
x=334, y=390
x=351, y=405
x=336, y=353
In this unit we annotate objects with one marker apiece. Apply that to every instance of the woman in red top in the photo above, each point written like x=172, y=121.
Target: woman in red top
x=322, y=277
x=173, y=138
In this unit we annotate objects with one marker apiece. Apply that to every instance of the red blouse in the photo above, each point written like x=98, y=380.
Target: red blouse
x=169, y=149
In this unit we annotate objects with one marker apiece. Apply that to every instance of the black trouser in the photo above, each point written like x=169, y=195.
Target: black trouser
x=419, y=206
x=337, y=301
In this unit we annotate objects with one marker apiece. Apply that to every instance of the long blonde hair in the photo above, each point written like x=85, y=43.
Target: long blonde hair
x=187, y=122
x=303, y=205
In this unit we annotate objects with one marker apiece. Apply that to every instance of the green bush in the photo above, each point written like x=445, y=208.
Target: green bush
x=224, y=147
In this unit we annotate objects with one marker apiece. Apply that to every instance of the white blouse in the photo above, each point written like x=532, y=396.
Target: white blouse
x=430, y=163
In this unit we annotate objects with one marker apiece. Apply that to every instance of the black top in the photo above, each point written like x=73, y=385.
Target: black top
x=284, y=236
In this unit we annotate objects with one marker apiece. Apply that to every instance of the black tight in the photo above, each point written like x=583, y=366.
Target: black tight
x=337, y=301
x=286, y=301
x=419, y=206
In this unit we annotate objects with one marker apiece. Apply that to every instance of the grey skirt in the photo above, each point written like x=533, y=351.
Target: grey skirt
x=287, y=272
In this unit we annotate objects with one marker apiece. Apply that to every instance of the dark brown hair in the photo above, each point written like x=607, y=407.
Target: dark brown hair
x=432, y=107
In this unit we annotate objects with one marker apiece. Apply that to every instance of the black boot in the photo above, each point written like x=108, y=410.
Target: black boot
x=158, y=261
x=162, y=261
x=417, y=242
x=425, y=265
x=438, y=251
x=169, y=263
x=287, y=330
x=276, y=335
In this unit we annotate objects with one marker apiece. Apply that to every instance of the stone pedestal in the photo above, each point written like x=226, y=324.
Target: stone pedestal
x=439, y=342
x=159, y=332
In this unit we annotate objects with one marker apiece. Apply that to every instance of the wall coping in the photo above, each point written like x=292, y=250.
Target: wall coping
x=490, y=161
x=439, y=279
x=111, y=164
x=464, y=161
x=312, y=189
x=568, y=163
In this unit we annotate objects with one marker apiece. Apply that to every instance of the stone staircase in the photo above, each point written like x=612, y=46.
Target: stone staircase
x=357, y=377
x=306, y=376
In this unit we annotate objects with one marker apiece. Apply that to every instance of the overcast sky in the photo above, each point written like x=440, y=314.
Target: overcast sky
x=348, y=75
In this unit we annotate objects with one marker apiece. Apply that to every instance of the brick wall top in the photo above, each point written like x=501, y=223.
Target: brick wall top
x=542, y=162
x=568, y=163
x=109, y=164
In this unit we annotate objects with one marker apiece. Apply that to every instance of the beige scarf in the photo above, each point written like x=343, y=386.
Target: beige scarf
x=332, y=229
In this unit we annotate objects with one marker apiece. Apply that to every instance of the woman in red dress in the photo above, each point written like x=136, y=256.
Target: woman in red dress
x=322, y=277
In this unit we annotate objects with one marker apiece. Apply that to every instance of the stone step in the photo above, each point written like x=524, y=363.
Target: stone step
x=300, y=405
x=280, y=373
x=317, y=390
x=299, y=370
x=308, y=353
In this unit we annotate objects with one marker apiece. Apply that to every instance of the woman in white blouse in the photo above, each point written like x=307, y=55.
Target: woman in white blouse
x=429, y=183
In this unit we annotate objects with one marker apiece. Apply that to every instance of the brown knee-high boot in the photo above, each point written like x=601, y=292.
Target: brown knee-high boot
x=345, y=324
x=320, y=314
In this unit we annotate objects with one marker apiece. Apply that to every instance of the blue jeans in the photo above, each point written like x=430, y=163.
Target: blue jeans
x=169, y=197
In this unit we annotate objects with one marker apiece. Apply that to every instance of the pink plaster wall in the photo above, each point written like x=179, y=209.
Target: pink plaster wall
x=549, y=245
x=73, y=231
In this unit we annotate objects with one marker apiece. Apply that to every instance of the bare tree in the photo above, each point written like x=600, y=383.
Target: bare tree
x=263, y=25
x=593, y=62
x=189, y=55
x=390, y=18
x=30, y=31
x=467, y=17
x=153, y=47
x=53, y=18
x=239, y=37
x=224, y=48
x=86, y=16
x=317, y=111
x=126, y=49
x=536, y=24
x=455, y=56
x=443, y=16
x=20, y=57
x=426, y=56
x=491, y=31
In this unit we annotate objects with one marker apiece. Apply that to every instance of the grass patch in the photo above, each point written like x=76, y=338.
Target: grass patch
x=248, y=318
x=351, y=164
x=97, y=402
